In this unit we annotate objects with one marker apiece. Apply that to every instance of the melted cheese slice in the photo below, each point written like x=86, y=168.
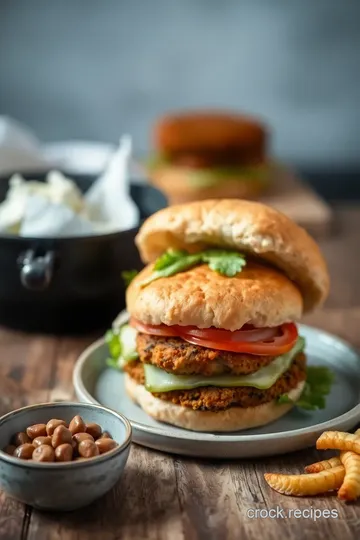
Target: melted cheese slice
x=158, y=380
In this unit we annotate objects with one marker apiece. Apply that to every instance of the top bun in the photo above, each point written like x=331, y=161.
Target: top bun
x=214, y=132
x=247, y=226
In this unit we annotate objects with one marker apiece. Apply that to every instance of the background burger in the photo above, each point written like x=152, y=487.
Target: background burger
x=202, y=155
x=212, y=344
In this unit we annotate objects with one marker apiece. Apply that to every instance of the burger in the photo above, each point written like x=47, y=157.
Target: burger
x=202, y=155
x=212, y=342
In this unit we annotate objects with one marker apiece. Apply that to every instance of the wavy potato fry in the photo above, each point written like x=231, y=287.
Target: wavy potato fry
x=323, y=465
x=339, y=440
x=350, y=488
x=300, y=485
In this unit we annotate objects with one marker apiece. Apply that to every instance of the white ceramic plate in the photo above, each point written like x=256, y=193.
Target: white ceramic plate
x=96, y=383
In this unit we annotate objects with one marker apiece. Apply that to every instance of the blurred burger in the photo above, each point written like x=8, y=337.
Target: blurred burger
x=202, y=155
x=212, y=343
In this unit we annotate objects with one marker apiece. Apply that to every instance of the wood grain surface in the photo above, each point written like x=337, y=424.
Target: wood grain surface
x=290, y=194
x=172, y=497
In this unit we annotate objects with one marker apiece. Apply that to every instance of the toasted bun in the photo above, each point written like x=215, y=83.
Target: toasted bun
x=174, y=182
x=247, y=226
x=233, y=419
x=200, y=297
x=211, y=131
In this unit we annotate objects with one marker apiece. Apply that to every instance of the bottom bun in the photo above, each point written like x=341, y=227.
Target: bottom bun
x=174, y=183
x=233, y=419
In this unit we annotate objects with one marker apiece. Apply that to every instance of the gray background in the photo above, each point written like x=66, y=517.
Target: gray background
x=95, y=69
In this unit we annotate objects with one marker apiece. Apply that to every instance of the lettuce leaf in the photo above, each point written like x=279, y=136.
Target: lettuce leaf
x=318, y=385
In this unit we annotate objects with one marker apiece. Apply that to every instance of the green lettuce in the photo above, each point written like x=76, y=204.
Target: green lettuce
x=319, y=380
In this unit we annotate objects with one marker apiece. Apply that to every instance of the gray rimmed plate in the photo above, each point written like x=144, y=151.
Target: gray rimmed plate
x=96, y=383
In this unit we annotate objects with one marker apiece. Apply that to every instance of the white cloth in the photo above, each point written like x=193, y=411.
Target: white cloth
x=57, y=207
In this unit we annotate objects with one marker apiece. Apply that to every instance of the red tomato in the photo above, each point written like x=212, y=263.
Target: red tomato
x=281, y=343
x=245, y=334
x=257, y=341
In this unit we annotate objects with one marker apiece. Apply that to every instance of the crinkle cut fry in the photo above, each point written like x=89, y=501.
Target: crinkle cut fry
x=350, y=488
x=339, y=440
x=326, y=463
x=300, y=485
x=323, y=465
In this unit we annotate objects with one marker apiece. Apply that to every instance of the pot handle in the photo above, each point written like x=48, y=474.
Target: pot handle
x=36, y=272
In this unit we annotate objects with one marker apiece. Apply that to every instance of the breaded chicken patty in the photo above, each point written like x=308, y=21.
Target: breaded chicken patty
x=177, y=356
x=211, y=398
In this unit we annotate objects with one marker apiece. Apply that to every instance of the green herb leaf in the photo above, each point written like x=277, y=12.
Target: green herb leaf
x=318, y=385
x=168, y=258
x=178, y=265
x=227, y=263
x=173, y=261
x=128, y=276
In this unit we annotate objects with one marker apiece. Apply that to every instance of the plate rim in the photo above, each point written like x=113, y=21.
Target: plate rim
x=200, y=436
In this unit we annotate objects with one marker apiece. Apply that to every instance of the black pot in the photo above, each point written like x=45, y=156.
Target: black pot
x=68, y=285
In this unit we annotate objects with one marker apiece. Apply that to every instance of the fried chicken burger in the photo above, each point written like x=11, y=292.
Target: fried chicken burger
x=201, y=155
x=212, y=343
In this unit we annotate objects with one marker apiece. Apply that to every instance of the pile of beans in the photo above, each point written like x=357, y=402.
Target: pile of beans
x=57, y=441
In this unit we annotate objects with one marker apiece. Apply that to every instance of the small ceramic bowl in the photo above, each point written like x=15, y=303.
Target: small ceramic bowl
x=63, y=486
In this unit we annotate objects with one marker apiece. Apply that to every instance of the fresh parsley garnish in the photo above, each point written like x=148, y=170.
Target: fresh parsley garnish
x=128, y=276
x=173, y=261
x=227, y=263
x=319, y=380
x=170, y=257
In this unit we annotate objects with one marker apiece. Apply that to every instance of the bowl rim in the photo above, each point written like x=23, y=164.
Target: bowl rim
x=68, y=464
x=58, y=240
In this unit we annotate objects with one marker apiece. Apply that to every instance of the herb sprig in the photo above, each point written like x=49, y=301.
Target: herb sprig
x=173, y=261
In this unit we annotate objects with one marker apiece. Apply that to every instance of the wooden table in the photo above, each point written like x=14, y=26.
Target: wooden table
x=171, y=497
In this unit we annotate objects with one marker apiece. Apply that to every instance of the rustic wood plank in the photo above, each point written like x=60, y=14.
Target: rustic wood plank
x=68, y=351
x=291, y=195
x=14, y=519
x=342, y=253
x=143, y=505
x=208, y=500
x=25, y=369
x=344, y=323
x=334, y=525
x=25, y=372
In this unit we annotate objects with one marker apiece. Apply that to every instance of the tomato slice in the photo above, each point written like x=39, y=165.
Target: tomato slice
x=214, y=334
x=257, y=341
x=279, y=344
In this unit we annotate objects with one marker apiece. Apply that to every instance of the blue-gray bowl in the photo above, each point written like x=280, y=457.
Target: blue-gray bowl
x=69, y=485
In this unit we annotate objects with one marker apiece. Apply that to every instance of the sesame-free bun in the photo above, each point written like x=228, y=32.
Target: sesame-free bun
x=175, y=183
x=201, y=297
x=250, y=227
x=219, y=134
x=232, y=419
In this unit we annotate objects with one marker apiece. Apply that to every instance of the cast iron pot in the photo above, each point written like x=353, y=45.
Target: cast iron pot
x=68, y=285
